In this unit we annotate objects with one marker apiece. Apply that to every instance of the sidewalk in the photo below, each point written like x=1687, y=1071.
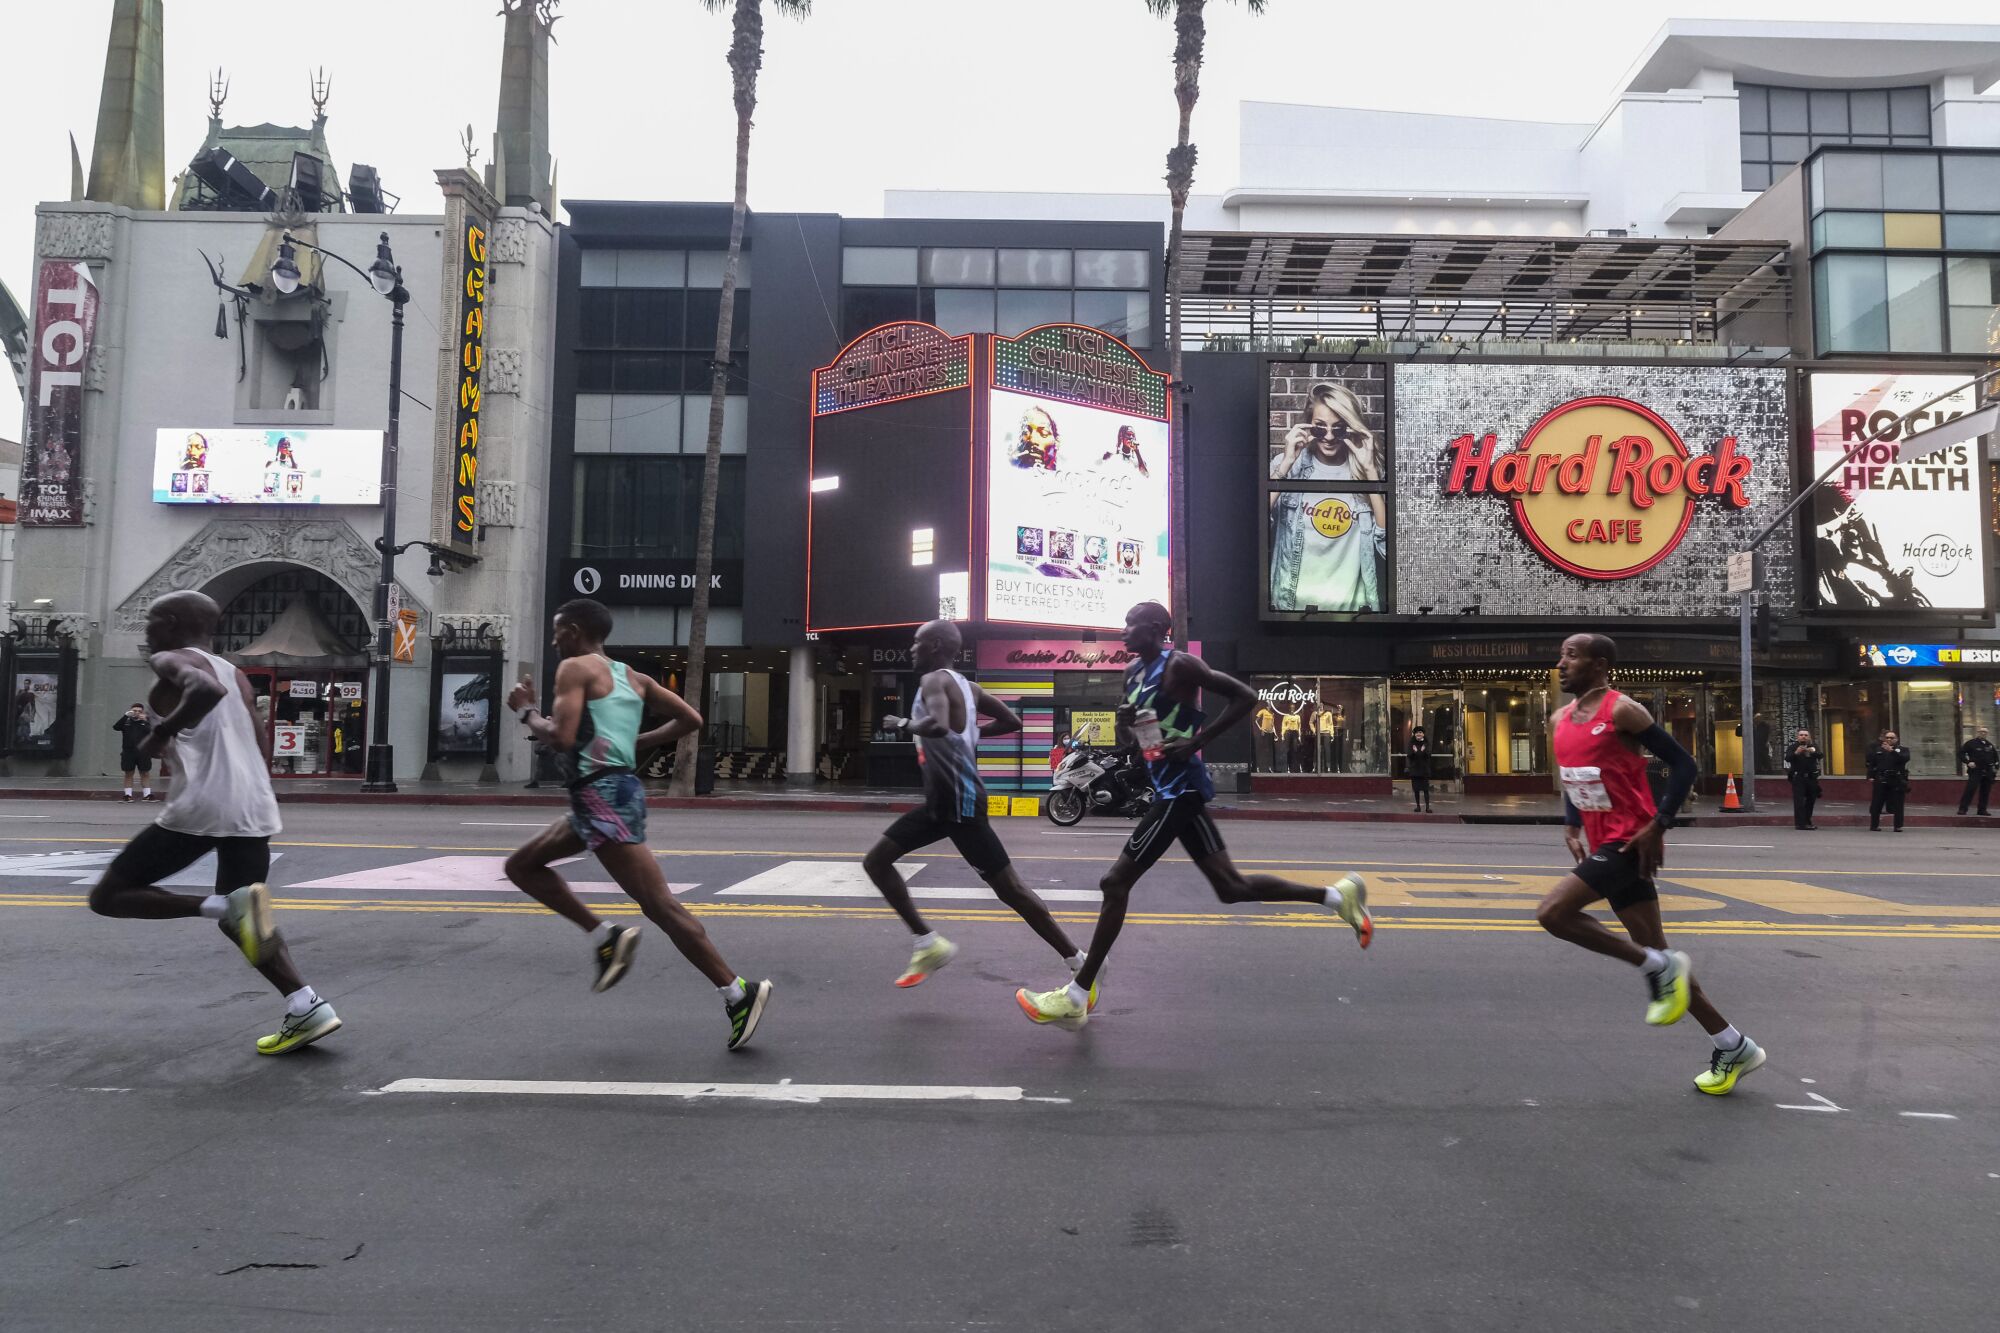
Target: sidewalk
x=828, y=798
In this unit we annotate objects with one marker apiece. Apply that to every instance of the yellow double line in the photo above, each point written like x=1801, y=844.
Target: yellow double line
x=1264, y=920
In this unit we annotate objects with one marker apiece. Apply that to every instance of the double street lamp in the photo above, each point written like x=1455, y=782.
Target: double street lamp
x=387, y=280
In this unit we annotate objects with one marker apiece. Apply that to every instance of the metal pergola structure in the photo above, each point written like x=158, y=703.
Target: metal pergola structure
x=1272, y=291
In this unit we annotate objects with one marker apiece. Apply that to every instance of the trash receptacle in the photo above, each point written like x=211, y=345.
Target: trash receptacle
x=704, y=771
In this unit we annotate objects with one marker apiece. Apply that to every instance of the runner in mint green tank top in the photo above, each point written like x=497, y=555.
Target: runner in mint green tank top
x=596, y=729
x=607, y=738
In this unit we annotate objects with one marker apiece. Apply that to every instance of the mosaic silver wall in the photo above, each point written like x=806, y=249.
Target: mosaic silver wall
x=1453, y=550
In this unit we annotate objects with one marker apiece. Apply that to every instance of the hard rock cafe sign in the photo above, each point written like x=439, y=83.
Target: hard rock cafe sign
x=1603, y=487
x=1287, y=696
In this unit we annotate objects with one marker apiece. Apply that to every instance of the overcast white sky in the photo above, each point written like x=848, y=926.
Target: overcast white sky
x=865, y=95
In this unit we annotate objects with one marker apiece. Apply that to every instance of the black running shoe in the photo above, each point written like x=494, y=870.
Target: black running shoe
x=614, y=956
x=743, y=1014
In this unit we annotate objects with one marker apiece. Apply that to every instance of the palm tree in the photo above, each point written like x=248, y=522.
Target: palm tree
x=1190, y=37
x=746, y=57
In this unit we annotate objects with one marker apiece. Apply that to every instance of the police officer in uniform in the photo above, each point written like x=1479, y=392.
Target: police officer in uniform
x=1981, y=758
x=1802, y=771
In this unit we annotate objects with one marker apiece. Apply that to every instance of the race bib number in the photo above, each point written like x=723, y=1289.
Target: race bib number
x=1585, y=788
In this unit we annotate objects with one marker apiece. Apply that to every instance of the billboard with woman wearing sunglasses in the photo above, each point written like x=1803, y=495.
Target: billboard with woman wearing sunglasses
x=1327, y=496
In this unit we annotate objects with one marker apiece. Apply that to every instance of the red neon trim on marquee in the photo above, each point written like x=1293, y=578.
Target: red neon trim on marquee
x=1520, y=508
x=812, y=467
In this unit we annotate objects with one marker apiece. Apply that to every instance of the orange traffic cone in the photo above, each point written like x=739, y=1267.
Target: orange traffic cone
x=1729, y=801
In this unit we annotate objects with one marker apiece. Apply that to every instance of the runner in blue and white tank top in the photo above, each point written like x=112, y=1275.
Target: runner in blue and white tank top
x=947, y=719
x=1164, y=688
x=221, y=802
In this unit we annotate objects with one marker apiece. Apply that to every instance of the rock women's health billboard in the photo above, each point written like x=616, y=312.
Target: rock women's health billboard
x=1890, y=535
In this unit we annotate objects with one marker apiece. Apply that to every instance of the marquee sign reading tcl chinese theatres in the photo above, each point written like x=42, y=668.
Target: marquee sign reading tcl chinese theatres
x=1603, y=487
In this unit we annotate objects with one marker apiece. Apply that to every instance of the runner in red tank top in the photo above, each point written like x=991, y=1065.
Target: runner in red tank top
x=1617, y=834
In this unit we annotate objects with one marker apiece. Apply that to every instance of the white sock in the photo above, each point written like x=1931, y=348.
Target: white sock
x=1728, y=1039
x=602, y=934
x=1656, y=963
x=147, y=792
x=1075, y=962
x=734, y=992
x=215, y=907
x=1333, y=898
x=300, y=1000
x=128, y=791
x=1077, y=994
x=926, y=940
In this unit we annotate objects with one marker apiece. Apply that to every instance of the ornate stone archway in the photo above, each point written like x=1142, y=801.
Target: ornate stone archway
x=327, y=545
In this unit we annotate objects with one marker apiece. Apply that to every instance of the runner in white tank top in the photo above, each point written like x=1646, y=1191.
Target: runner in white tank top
x=954, y=802
x=222, y=802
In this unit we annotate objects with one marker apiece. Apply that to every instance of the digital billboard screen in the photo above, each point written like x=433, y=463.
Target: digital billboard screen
x=1890, y=535
x=1077, y=480
x=1326, y=468
x=889, y=510
x=267, y=466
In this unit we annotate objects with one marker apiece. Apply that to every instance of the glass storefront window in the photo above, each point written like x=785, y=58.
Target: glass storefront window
x=1506, y=729
x=1927, y=722
x=1852, y=718
x=1723, y=752
x=1319, y=724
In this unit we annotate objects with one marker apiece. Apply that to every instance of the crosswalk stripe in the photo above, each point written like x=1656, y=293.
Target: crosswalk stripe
x=838, y=879
x=786, y=1091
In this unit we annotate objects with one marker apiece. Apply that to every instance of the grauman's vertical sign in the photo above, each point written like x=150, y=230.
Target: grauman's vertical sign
x=471, y=360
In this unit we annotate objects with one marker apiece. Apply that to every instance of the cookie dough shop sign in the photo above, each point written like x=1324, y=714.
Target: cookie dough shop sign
x=1602, y=487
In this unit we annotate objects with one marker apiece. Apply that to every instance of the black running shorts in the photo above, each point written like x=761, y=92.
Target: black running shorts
x=1184, y=817
x=975, y=839
x=158, y=852
x=1614, y=873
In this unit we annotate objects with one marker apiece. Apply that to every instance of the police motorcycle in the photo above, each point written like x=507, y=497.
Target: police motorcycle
x=1090, y=780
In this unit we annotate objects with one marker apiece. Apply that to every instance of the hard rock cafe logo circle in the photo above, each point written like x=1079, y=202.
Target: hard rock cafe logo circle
x=1287, y=696
x=1939, y=556
x=1331, y=517
x=1602, y=487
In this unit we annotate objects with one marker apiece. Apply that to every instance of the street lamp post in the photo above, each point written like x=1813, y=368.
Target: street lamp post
x=387, y=280
x=1914, y=448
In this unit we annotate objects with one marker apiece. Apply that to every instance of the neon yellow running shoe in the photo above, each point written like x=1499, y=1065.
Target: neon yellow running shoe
x=1053, y=1006
x=1670, y=990
x=1353, y=907
x=927, y=960
x=247, y=918
x=300, y=1030
x=1728, y=1066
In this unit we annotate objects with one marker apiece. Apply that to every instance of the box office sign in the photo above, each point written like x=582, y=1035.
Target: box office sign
x=1553, y=490
x=65, y=316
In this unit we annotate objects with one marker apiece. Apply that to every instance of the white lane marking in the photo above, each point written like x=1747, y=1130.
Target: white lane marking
x=1925, y=1115
x=26, y=816
x=200, y=875
x=786, y=1091
x=1082, y=833
x=1823, y=1104
x=504, y=823
x=1729, y=846
x=846, y=879
x=932, y=892
x=450, y=874
x=54, y=865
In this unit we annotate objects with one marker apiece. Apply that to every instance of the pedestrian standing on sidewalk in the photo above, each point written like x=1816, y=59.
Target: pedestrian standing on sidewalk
x=1802, y=771
x=1420, y=770
x=133, y=726
x=1981, y=758
x=1889, y=771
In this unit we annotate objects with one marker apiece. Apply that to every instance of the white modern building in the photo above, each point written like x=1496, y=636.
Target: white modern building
x=1709, y=115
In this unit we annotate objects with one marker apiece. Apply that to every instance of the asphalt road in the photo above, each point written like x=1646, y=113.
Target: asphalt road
x=1467, y=1127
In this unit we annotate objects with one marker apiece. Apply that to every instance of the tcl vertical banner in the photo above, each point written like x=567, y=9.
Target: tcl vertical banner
x=52, y=464
x=464, y=517
x=1890, y=535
